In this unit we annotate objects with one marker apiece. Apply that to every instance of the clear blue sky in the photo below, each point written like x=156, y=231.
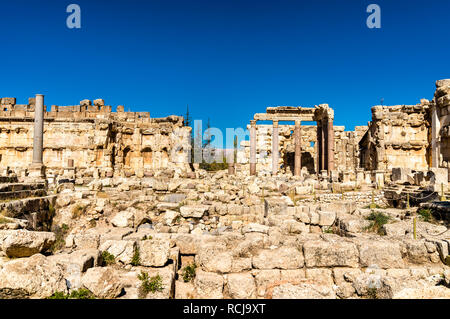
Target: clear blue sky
x=227, y=59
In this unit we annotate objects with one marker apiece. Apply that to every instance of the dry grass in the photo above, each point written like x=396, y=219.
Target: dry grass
x=78, y=210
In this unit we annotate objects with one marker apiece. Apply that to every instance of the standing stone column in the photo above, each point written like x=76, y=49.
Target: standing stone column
x=275, y=151
x=298, y=148
x=252, y=147
x=330, y=140
x=38, y=139
x=435, y=128
x=36, y=170
x=323, y=147
x=319, y=147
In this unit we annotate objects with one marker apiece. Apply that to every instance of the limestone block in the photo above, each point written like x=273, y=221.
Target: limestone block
x=278, y=258
x=24, y=243
x=122, y=250
x=195, y=211
x=241, y=286
x=103, y=282
x=208, y=285
x=383, y=254
x=33, y=277
x=330, y=254
x=154, y=252
x=326, y=218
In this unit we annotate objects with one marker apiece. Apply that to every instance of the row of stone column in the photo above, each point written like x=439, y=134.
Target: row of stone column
x=275, y=150
x=325, y=145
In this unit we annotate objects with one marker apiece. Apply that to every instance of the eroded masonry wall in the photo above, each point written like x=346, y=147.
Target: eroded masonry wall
x=346, y=148
x=440, y=108
x=98, y=141
x=397, y=137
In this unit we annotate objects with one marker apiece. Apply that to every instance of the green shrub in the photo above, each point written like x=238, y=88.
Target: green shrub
x=108, y=259
x=149, y=284
x=136, y=260
x=378, y=219
x=81, y=294
x=189, y=272
x=425, y=215
x=75, y=294
x=58, y=295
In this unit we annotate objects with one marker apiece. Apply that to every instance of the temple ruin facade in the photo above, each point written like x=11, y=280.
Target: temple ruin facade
x=90, y=140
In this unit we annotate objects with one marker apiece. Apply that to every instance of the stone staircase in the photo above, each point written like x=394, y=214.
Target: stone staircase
x=25, y=205
x=398, y=195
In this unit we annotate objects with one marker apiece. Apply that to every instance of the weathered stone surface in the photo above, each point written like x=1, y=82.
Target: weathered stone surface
x=154, y=252
x=383, y=254
x=208, y=285
x=24, y=243
x=33, y=277
x=326, y=218
x=103, y=282
x=195, y=211
x=122, y=250
x=302, y=291
x=330, y=254
x=214, y=258
x=279, y=258
x=241, y=286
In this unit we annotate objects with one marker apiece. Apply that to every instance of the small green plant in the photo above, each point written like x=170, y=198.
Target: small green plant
x=189, y=272
x=76, y=294
x=149, y=284
x=51, y=209
x=147, y=237
x=377, y=220
x=328, y=230
x=425, y=215
x=58, y=295
x=81, y=294
x=108, y=258
x=136, y=260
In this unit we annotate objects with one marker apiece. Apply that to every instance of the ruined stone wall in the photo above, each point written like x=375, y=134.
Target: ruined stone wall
x=346, y=148
x=100, y=142
x=441, y=102
x=397, y=137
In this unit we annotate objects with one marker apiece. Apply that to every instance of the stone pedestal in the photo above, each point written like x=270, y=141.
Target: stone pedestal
x=379, y=178
x=359, y=177
x=36, y=173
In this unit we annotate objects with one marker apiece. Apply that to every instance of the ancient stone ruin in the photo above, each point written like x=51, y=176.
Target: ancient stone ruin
x=102, y=204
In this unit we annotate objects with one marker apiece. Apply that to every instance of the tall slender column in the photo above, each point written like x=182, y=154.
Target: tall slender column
x=330, y=140
x=38, y=138
x=298, y=149
x=435, y=128
x=275, y=151
x=323, y=147
x=319, y=147
x=252, y=147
